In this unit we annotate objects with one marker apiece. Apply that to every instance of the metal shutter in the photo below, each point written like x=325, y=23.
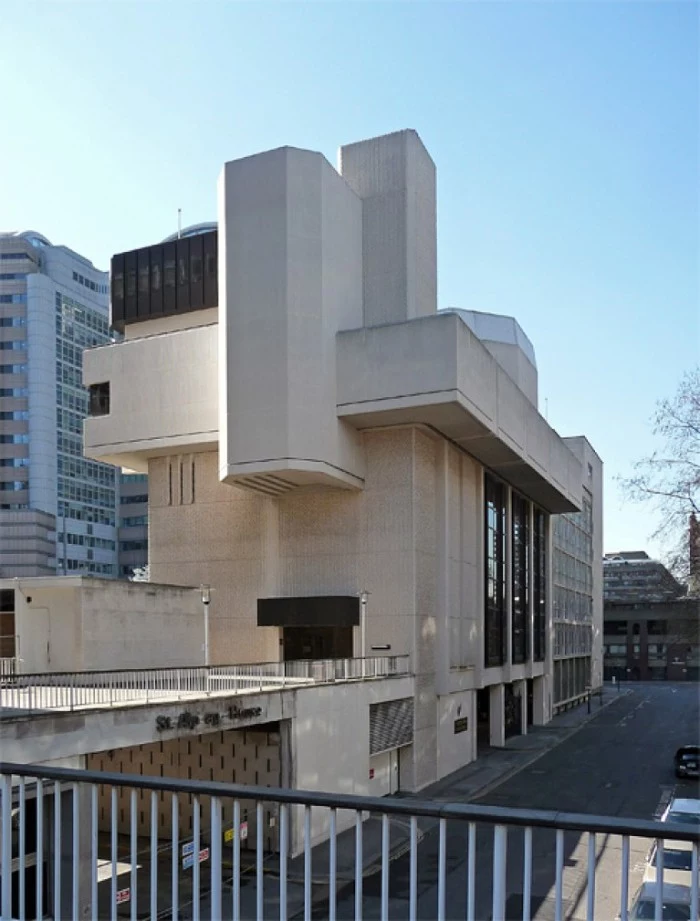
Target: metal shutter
x=390, y=724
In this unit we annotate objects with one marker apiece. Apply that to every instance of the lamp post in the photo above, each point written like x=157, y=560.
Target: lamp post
x=205, y=592
x=364, y=595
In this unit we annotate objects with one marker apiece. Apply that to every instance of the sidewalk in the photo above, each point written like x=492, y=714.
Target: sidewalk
x=496, y=765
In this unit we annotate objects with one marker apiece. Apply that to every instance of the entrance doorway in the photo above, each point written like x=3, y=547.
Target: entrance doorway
x=316, y=643
x=513, y=712
x=483, y=719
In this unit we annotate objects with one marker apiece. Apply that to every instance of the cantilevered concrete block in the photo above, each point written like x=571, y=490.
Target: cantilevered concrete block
x=290, y=263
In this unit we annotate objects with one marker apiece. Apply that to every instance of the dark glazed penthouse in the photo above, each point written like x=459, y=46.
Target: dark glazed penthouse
x=176, y=276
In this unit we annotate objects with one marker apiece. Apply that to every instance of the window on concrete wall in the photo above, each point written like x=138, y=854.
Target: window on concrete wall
x=7, y=623
x=521, y=577
x=539, y=585
x=495, y=575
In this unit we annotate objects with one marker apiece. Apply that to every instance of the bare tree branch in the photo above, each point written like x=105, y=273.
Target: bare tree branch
x=670, y=478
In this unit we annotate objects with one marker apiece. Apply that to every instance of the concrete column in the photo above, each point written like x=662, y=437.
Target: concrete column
x=521, y=688
x=539, y=701
x=443, y=600
x=395, y=178
x=497, y=716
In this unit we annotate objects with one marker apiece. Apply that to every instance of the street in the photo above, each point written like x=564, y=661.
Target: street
x=619, y=764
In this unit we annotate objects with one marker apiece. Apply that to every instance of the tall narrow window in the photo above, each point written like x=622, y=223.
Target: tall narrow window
x=495, y=574
x=539, y=586
x=521, y=577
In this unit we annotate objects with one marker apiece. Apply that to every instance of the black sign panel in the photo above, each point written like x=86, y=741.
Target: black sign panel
x=314, y=611
x=462, y=724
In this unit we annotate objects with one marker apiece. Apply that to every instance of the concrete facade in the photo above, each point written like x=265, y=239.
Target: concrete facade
x=74, y=623
x=327, y=432
x=652, y=623
x=578, y=585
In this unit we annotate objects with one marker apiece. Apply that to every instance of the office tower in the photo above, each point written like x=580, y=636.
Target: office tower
x=57, y=508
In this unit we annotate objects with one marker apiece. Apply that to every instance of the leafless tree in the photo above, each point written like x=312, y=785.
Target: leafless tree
x=670, y=478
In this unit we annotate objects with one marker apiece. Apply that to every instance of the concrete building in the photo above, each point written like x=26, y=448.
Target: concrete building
x=577, y=539
x=57, y=508
x=652, y=625
x=82, y=623
x=351, y=470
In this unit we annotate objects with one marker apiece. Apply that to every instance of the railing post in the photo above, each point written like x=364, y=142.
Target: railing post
x=6, y=866
x=500, y=841
x=216, y=903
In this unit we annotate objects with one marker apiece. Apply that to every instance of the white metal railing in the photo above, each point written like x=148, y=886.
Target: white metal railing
x=81, y=690
x=114, y=844
x=8, y=666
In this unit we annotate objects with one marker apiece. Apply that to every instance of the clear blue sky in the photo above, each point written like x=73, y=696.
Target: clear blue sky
x=565, y=136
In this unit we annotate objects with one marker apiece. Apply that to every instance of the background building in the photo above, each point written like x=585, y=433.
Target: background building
x=577, y=575
x=652, y=625
x=57, y=507
x=133, y=523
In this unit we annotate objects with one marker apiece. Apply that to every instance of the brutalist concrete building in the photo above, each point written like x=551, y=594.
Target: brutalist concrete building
x=350, y=469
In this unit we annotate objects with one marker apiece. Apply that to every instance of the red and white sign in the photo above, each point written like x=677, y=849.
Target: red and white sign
x=123, y=895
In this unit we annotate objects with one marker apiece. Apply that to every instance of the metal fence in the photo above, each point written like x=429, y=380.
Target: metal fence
x=8, y=665
x=455, y=860
x=82, y=690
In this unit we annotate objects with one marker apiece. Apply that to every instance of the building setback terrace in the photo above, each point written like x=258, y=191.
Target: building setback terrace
x=70, y=691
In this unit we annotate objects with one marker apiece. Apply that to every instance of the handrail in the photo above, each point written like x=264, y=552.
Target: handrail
x=500, y=815
x=199, y=668
x=82, y=690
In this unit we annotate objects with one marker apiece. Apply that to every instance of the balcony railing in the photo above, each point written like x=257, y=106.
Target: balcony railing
x=98, y=689
x=86, y=844
x=8, y=665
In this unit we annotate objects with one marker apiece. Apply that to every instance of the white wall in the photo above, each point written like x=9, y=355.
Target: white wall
x=455, y=749
x=290, y=258
x=163, y=394
x=88, y=624
x=330, y=744
x=49, y=627
x=384, y=773
x=141, y=625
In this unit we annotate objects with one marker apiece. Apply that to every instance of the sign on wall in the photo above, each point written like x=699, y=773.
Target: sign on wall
x=461, y=724
x=230, y=833
x=188, y=861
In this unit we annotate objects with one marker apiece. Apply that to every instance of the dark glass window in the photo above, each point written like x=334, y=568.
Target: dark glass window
x=155, y=277
x=196, y=268
x=656, y=628
x=182, y=270
x=211, y=265
x=169, y=271
x=495, y=575
x=144, y=279
x=521, y=577
x=616, y=627
x=7, y=600
x=99, y=399
x=131, y=282
x=539, y=586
